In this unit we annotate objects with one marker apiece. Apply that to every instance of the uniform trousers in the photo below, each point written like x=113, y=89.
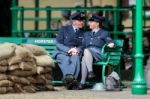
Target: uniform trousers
x=69, y=64
x=87, y=63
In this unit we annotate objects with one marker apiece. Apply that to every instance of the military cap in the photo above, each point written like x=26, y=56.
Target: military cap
x=77, y=16
x=97, y=18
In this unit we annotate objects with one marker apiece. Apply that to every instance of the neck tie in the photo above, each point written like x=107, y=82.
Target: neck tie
x=76, y=30
x=93, y=33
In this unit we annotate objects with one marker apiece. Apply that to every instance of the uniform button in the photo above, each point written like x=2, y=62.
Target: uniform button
x=90, y=42
x=91, y=38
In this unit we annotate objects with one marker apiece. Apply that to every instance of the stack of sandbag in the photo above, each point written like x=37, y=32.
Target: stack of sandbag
x=44, y=65
x=24, y=68
x=6, y=51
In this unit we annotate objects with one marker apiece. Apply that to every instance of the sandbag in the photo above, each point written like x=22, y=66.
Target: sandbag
x=27, y=66
x=14, y=60
x=36, y=50
x=3, y=77
x=7, y=51
x=40, y=79
x=3, y=69
x=10, y=90
x=48, y=76
x=29, y=59
x=13, y=67
x=22, y=73
x=20, y=80
x=41, y=69
x=3, y=90
x=29, y=89
x=50, y=87
x=14, y=78
x=45, y=87
x=6, y=83
x=24, y=81
x=18, y=88
x=44, y=60
x=32, y=80
x=4, y=62
x=23, y=52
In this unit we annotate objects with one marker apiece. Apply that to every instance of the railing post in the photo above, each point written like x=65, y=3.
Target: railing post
x=119, y=13
x=21, y=22
x=133, y=41
x=85, y=22
x=14, y=17
x=48, y=20
x=115, y=22
x=139, y=84
x=36, y=15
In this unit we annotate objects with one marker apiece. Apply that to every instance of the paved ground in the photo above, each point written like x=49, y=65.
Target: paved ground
x=80, y=94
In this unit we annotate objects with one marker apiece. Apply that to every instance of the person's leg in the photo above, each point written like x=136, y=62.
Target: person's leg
x=70, y=66
x=64, y=64
x=89, y=63
x=88, y=58
x=75, y=65
x=84, y=71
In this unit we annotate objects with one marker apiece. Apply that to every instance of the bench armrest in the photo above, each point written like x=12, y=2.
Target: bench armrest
x=103, y=52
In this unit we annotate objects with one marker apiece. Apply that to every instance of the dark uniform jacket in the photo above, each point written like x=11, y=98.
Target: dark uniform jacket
x=67, y=38
x=94, y=42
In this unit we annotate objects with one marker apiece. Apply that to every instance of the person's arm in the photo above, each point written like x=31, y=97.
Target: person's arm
x=109, y=41
x=60, y=41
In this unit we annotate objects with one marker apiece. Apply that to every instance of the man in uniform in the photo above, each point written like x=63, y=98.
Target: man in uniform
x=68, y=42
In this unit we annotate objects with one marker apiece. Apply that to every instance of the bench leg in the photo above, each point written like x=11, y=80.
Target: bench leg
x=103, y=73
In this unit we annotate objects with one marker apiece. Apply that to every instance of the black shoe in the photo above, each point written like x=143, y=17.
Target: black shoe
x=81, y=86
x=91, y=75
x=70, y=82
x=74, y=85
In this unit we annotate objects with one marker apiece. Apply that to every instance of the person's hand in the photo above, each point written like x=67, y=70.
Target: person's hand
x=73, y=51
x=111, y=45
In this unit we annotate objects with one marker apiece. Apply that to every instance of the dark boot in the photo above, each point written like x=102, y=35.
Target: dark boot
x=70, y=82
x=81, y=86
x=91, y=75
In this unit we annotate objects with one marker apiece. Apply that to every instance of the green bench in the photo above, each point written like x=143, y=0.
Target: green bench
x=111, y=56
